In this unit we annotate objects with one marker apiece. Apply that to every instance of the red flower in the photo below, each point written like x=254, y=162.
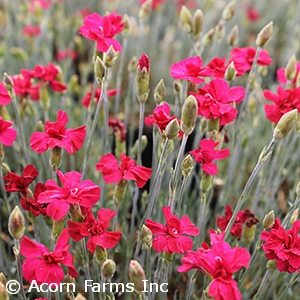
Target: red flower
x=97, y=230
x=218, y=66
x=283, y=246
x=144, y=62
x=4, y=96
x=56, y=134
x=113, y=173
x=252, y=14
x=215, y=100
x=7, y=134
x=284, y=101
x=45, y=266
x=219, y=262
x=242, y=217
x=31, y=30
x=282, y=78
x=207, y=154
x=73, y=191
x=17, y=183
x=118, y=127
x=102, y=30
x=244, y=57
x=88, y=96
x=155, y=3
x=170, y=237
x=190, y=69
x=32, y=205
x=66, y=53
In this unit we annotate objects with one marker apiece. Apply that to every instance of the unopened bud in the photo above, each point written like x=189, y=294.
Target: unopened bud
x=189, y=115
x=99, y=70
x=146, y=237
x=187, y=165
x=134, y=149
x=8, y=82
x=131, y=67
x=160, y=92
x=203, y=125
x=294, y=216
x=271, y=265
x=269, y=220
x=55, y=158
x=127, y=27
x=59, y=77
x=197, y=23
x=290, y=69
x=213, y=127
x=208, y=37
x=265, y=35
x=16, y=224
x=142, y=78
x=172, y=129
x=264, y=155
x=75, y=213
x=109, y=268
x=220, y=30
x=100, y=255
x=120, y=191
x=249, y=233
x=137, y=276
x=185, y=19
x=229, y=11
x=144, y=12
x=3, y=279
x=110, y=57
x=230, y=72
x=168, y=256
x=233, y=36
x=3, y=293
x=79, y=297
x=205, y=182
x=39, y=126
x=177, y=87
x=285, y=125
x=69, y=280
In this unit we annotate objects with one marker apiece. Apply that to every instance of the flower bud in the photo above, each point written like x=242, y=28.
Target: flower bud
x=109, y=268
x=110, y=57
x=269, y=220
x=187, y=165
x=213, y=127
x=203, y=125
x=134, y=149
x=3, y=293
x=79, y=297
x=99, y=70
x=197, y=23
x=205, y=183
x=145, y=10
x=75, y=213
x=208, y=37
x=229, y=11
x=172, y=129
x=249, y=234
x=271, y=265
x=55, y=158
x=127, y=27
x=189, y=115
x=131, y=67
x=136, y=276
x=160, y=92
x=119, y=193
x=39, y=126
x=177, y=87
x=16, y=224
x=185, y=19
x=57, y=228
x=265, y=35
x=142, y=78
x=8, y=83
x=290, y=69
x=3, y=279
x=100, y=255
x=146, y=237
x=230, y=72
x=294, y=216
x=69, y=279
x=285, y=125
x=168, y=257
x=233, y=36
x=220, y=30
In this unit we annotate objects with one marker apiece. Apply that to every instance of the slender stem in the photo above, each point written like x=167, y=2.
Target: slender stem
x=201, y=216
x=105, y=137
x=134, y=211
x=262, y=285
x=180, y=197
x=292, y=209
x=115, y=220
x=191, y=284
x=19, y=268
x=141, y=127
x=291, y=282
x=85, y=257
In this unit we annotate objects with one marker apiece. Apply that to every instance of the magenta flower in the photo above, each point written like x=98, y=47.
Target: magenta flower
x=190, y=69
x=4, y=96
x=144, y=63
x=218, y=66
x=66, y=53
x=113, y=172
x=73, y=191
x=206, y=154
x=56, y=135
x=219, y=263
x=102, y=30
x=23, y=85
x=45, y=266
x=284, y=101
x=96, y=230
x=31, y=30
x=282, y=77
x=88, y=96
x=7, y=134
x=171, y=237
x=216, y=98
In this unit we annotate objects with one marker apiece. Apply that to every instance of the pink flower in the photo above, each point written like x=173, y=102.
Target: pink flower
x=113, y=172
x=34, y=4
x=207, y=154
x=190, y=69
x=144, y=63
x=219, y=262
x=282, y=78
x=73, y=191
x=88, y=96
x=23, y=85
x=56, y=135
x=17, y=183
x=96, y=230
x=171, y=237
x=31, y=30
x=4, y=96
x=283, y=246
x=218, y=66
x=156, y=4
x=252, y=14
x=244, y=57
x=118, y=127
x=45, y=266
x=102, y=30
x=215, y=100
x=284, y=101
x=7, y=134
x=66, y=53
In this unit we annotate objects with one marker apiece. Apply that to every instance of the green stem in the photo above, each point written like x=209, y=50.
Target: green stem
x=141, y=127
x=262, y=285
x=191, y=284
x=291, y=282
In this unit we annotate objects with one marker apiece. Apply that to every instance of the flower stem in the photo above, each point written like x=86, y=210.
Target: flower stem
x=141, y=127
x=292, y=209
x=291, y=282
x=180, y=197
x=85, y=258
x=191, y=284
x=201, y=216
x=263, y=283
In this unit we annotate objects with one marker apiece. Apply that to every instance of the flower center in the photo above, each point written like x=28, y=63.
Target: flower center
x=52, y=257
x=173, y=226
